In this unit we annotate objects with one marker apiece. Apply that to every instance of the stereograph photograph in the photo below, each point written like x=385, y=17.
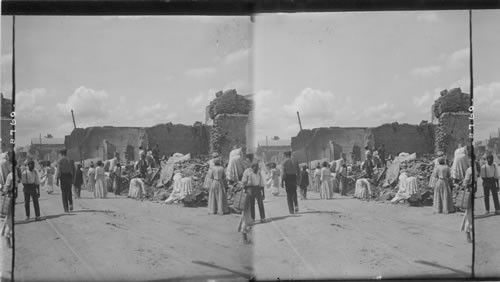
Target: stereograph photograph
x=267, y=146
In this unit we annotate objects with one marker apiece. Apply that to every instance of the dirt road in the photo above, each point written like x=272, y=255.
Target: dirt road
x=487, y=231
x=122, y=239
x=348, y=238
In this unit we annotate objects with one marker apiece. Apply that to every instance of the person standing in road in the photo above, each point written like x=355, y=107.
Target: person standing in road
x=217, y=198
x=443, y=202
x=117, y=179
x=100, y=184
x=489, y=175
x=91, y=175
x=289, y=175
x=317, y=179
x=275, y=179
x=78, y=181
x=325, y=190
x=65, y=173
x=31, y=189
x=254, y=184
x=304, y=183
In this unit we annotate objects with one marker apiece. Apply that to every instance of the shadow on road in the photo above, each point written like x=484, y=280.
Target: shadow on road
x=281, y=217
x=86, y=210
x=240, y=274
x=442, y=267
x=42, y=218
x=481, y=216
x=329, y=212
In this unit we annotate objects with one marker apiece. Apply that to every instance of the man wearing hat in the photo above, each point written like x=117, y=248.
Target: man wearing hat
x=31, y=189
x=65, y=172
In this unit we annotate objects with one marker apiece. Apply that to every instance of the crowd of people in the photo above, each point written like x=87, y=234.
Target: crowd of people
x=255, y=178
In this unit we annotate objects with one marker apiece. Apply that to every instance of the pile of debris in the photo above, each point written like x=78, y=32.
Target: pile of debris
x=420, y=168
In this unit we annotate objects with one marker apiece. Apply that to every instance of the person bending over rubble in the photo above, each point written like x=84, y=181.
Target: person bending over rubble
x=443, y=202
x=235, y=166
x=217, y=198
x=460, y=164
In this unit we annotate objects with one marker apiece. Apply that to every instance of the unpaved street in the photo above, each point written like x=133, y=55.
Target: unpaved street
x=487, y=229
x=348, y=238
x=123, y=239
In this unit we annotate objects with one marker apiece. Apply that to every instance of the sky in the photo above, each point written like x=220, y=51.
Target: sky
x=486, y=62
x=355, y=69
x=121, y=71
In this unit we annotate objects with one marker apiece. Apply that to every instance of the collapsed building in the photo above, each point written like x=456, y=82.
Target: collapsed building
x=449, y=127
x=228, y=123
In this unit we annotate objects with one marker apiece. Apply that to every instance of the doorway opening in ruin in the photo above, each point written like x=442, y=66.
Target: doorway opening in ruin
x=356, y=153
x=129, y=153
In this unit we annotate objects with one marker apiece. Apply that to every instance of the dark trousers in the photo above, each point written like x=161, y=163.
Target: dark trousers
x=78, y=189
x=117, y=185
x=489, y=185
x=303, y=190
x=30, y=192
x=291, y=192
x=67, y=197
x=255, y=193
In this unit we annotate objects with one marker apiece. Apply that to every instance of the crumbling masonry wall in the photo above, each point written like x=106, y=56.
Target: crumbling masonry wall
x=407, y=138
x=231, y=115
x=5, y=123
x=179, y=138
x=451, y=111
x=452, y=129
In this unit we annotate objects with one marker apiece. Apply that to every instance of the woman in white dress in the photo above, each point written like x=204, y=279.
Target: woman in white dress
x=326, y=190
x=275, y=180
x=48, y=177
x=207, y=182
x=91, y=176
x=100, y=184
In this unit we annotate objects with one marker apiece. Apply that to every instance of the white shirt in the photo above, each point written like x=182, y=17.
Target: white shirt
x=489, y=171
x=252, y=179
x=30, y=177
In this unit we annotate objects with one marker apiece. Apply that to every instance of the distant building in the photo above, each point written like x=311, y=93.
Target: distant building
x=5, y=123
x=272, y=150
x=45, y=148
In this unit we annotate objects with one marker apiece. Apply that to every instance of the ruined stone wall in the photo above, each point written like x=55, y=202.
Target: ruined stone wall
x=5, y=126
x=232, y=122
x=453, y=101
x=179, y=138
x=318, y=142
x=92, y=139
x=227, y=131
x=452, y=129
x=407, y=138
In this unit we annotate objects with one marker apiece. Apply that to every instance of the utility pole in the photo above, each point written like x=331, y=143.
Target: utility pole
x=305, y=143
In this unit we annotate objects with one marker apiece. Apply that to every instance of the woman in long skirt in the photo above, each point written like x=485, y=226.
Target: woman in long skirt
x=432, y=180
x=100, y=183
x=91, y=176
x=206, y=183
x=443, y=202
x=325, y=192
x=217, y=198
x=317, y=179
x=275, y=180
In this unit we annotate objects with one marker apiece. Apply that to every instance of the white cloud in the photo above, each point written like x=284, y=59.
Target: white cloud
x=428, y=17
x=200, y=72
x=237, y=56
x=28, y=101
x=150, y=115
x=426, y=71
x=425, y=101
x=87, y=104
x=382, y=113
x=201, y=100
x=459, y=58
x=486, y=107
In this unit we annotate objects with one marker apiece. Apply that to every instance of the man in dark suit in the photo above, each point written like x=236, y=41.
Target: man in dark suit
x=65, y=173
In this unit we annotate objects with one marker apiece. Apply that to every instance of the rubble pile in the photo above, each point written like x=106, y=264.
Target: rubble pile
x=229, y=102
x=421, y=168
